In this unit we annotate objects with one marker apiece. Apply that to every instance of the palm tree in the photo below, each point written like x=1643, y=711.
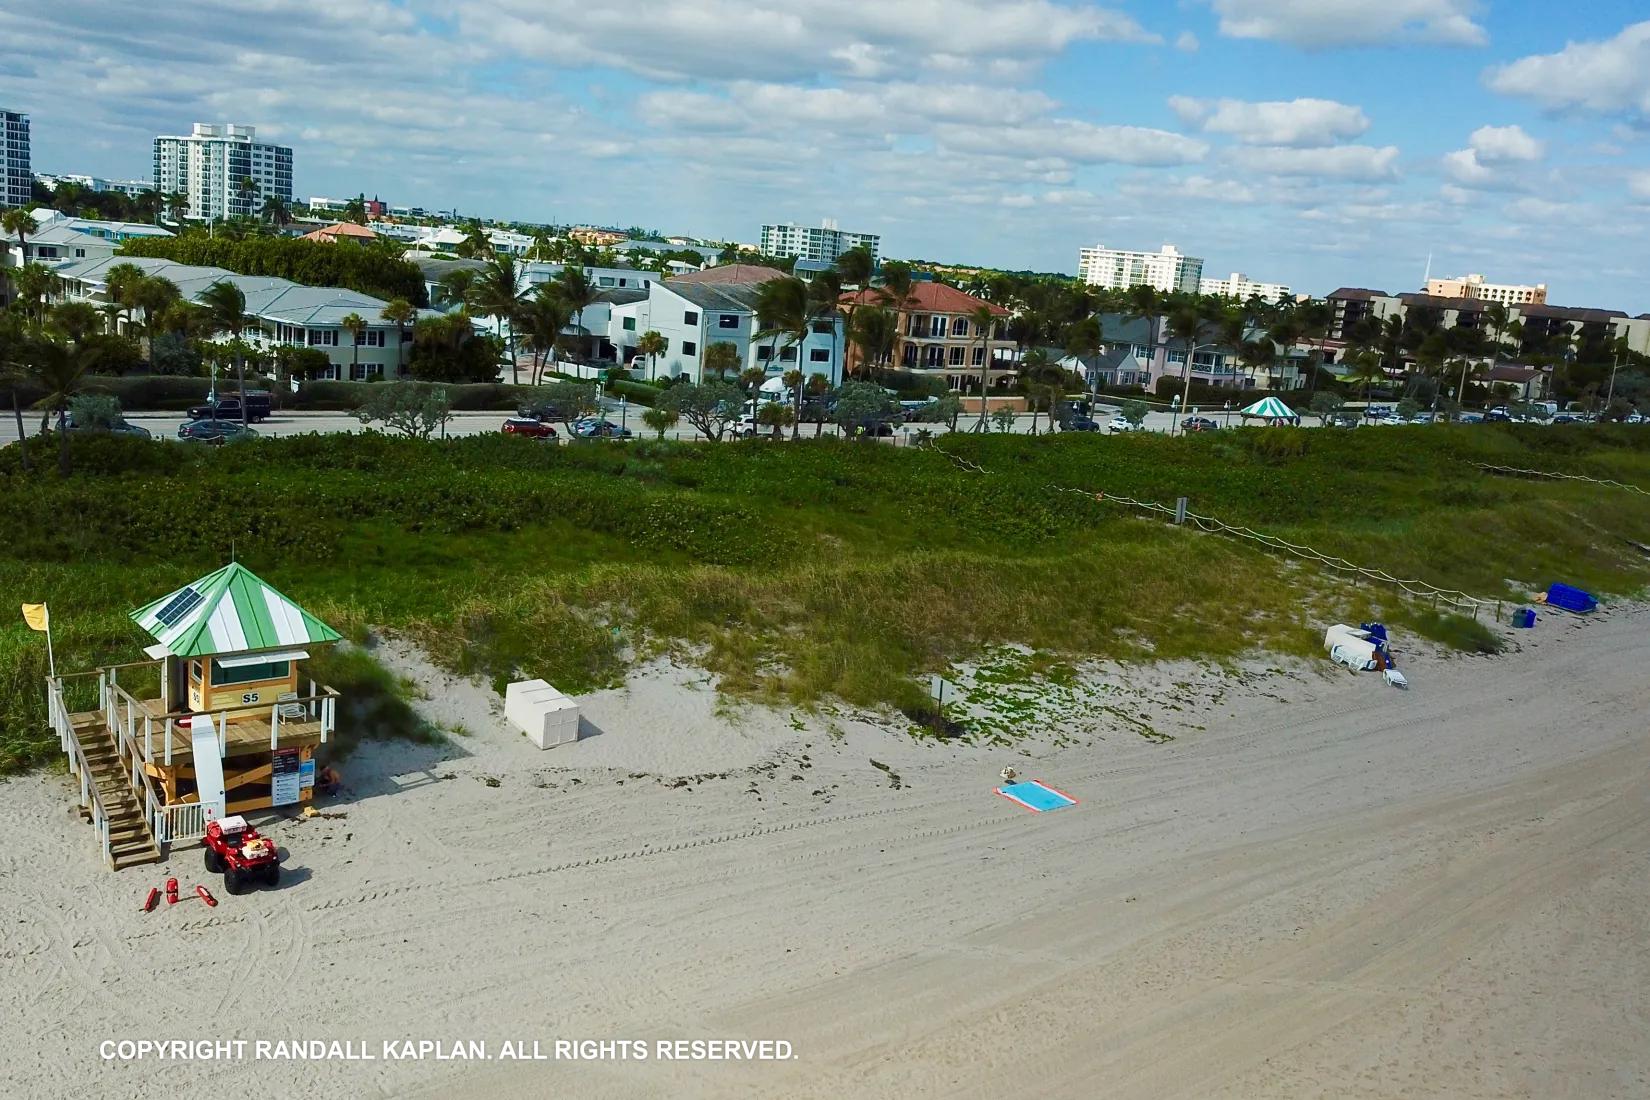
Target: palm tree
x=20, y=223
x=578, y=292
x=1186, y=323
x=898, y=285
x=225, y=308
x=783, y=311
x=35, y=283
x=177, y=205
x=13, y=373
x=248, y=190
x=355, y=210
x=543, y=316
x=653, y=344
x=1255, y=354
x=355, y=325
x=984, y=320
x=1366, y=368
x=59, y=369
x=275, y=212
x=874, y=332
x=120, y=285
x=825, y=304
x=400, y=313
x=74, y=320
x=1034, y=367
x=1145, y=304
x=154, y=295
x=496, y=292
x=1085, y=341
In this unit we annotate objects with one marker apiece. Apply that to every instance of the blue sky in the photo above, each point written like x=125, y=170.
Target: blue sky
x=1314, y=142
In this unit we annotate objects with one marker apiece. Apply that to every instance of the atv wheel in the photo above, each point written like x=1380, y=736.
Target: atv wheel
x=214, y=862
x=272, y=874
x=234, y=882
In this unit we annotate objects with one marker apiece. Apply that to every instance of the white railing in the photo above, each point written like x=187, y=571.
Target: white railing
x=78, y=765
x=180, y=821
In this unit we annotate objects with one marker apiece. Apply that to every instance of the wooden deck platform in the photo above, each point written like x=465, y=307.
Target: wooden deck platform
x=248, y=730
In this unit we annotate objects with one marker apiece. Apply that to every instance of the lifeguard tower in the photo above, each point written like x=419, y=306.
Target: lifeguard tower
x=234, y=725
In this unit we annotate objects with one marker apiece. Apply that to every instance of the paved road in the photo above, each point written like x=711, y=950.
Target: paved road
x=164, y=425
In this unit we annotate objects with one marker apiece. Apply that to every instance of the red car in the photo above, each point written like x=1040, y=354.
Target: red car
x=523, y=425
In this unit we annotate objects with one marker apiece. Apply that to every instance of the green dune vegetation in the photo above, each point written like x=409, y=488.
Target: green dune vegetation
x=806, y=571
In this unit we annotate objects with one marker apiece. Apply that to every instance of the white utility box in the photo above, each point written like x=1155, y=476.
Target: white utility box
x=545, y=715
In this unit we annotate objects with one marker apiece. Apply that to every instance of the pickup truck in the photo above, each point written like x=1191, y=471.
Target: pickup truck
x=229, y=408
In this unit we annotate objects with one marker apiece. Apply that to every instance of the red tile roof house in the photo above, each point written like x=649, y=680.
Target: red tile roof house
x=938, y=337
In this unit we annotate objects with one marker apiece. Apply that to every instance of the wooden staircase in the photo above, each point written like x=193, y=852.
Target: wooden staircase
x=130, y=840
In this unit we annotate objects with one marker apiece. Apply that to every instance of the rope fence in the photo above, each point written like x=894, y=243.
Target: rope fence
x=1454, y=598
x=1488, y=468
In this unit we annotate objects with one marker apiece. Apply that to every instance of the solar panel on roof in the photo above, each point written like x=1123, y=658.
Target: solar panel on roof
x=181, y=604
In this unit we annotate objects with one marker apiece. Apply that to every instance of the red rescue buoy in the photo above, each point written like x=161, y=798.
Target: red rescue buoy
x=171, y=891
x=152, y=900
x=206, y=895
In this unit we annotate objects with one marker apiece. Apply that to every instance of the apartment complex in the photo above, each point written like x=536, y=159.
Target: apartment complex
x=16, y=170
x=1243, y=288
x=823, y=244
x=1474, y=287
x=210, y=165
x=97, y=184
x=61, y=238
x=1117, y=269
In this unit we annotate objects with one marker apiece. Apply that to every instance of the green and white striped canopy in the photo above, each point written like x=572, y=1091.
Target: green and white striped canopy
x=1270, y=408
x=230, y=611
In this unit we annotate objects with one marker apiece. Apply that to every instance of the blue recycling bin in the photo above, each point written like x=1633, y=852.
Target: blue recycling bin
x=1524, y=618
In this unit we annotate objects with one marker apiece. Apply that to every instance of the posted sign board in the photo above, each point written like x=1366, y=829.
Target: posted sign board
x=284, y=770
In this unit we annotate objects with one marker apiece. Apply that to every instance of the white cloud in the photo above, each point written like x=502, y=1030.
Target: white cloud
x=1186, y=42
x=1322, y=24
x=1611, y=76
x=1489, y=161
x=793, y=40
x=1638, y=185
x=1500, y=144
x=1081, y=142
x=1295, y=122
x=1338, y=162
x=872, y=109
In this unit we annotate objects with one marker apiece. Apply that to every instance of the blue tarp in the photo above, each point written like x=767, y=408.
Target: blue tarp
x=1571, y=599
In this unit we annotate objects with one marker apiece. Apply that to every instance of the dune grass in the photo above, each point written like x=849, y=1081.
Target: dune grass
x=800, y=572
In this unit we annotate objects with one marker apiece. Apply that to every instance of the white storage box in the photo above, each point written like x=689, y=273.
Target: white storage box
x=545, y=715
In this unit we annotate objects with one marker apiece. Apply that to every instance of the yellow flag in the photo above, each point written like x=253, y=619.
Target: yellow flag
x=36, y=615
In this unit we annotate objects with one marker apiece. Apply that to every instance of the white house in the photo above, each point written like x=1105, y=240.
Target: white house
x=63, y=239
x=693, y=315
x=289, y=314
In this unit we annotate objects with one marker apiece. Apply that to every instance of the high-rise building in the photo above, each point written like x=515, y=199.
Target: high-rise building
x=824, y=243
x=16, y=171
x=1242, y=287
x=1474, y=286
x=1115, y=269
x=211, y=165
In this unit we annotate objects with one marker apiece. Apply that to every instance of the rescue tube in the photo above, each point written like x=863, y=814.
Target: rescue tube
x=152, y=900
x=206, y=895
x=171, y=891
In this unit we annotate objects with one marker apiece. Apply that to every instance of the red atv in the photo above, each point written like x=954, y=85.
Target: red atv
x=235, y=849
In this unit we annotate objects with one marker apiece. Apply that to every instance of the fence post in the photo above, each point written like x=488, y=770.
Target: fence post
x=1180, y=511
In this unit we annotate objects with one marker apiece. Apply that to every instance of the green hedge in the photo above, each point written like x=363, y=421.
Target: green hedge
x=135, y=392
x=637, y=393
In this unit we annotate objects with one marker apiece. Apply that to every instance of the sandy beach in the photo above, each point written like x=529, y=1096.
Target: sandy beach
x=1287, y=883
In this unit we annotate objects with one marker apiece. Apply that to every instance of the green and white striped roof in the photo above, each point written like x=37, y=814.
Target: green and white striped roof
x=1270, y=408
x=235, y=612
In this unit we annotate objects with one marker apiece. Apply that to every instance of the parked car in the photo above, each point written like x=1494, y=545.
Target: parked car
x=1198, y=424
x=876, y=428
x=600, y=429
x=1121, y=423
x=1470, y=418
x=1377, y=412
x=1079, y=424
x=214, y=431
x=1565, y=418
x=526, y=425
x=1498, y=416
x=1344, y=420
